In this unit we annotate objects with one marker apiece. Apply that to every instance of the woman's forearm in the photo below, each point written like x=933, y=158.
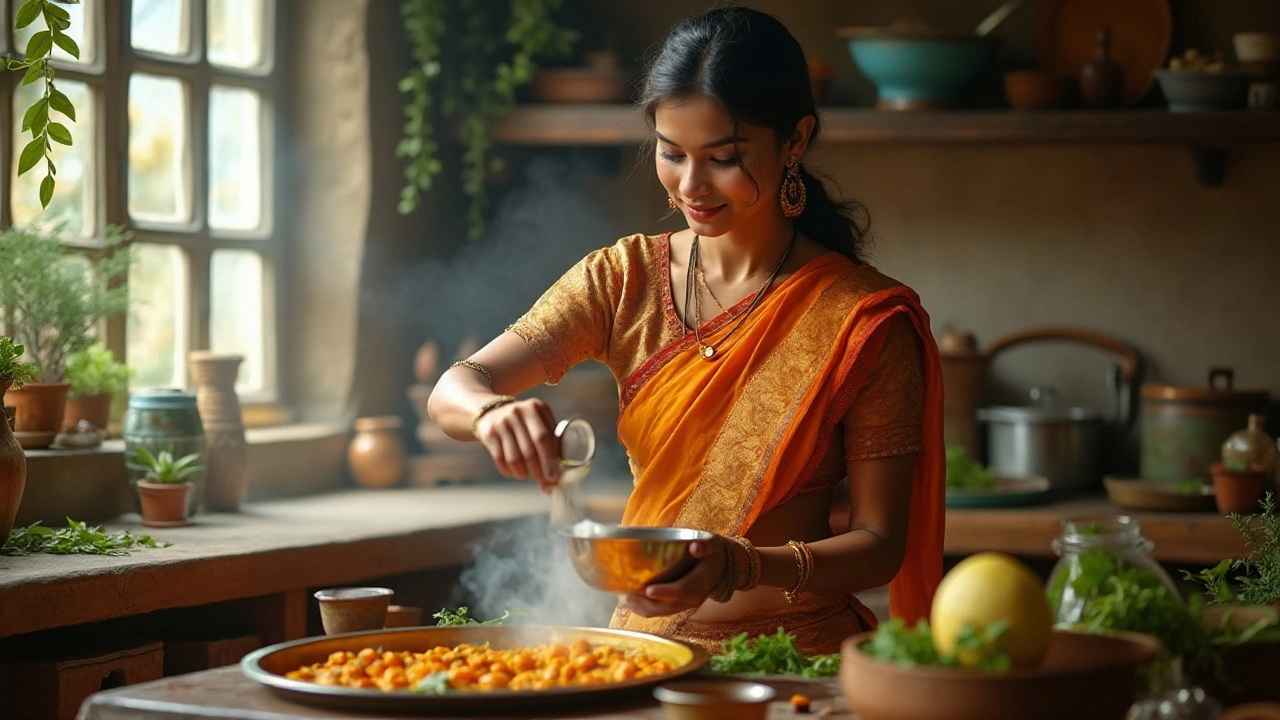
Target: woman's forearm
x=457, y=397
x=847, y=563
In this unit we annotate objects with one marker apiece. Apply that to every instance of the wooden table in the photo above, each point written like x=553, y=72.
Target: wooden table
x=226, y=694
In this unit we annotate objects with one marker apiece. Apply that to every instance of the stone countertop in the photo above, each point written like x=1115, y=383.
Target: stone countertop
x=227, y=694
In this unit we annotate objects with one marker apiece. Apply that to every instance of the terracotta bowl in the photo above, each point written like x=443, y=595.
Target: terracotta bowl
x=1083, y=676
x=1036, y=89
x=353, y=609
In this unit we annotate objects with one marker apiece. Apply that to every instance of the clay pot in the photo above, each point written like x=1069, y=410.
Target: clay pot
x=1035, y=90
x=377, y=456
x=1251, y=667
x=226, y=452
x=39, y=413
x=164, y=504
x=94, y=408
x=13, y=472
x=352, y=609
x=1238, y=491
x=1102, y=79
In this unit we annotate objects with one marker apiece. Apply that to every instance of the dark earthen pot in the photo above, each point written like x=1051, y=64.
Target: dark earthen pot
x=1238, y=491
x=13, y=472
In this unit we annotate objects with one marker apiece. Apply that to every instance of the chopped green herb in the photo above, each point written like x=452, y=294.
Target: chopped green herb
x=76, y=538
x=445, y=618
x=965, y=474
x=913, y=646
x=772, y=655
x=1194, y=486
x=437, y=683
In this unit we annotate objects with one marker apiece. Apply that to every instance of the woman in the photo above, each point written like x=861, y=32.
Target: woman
x=760, y=360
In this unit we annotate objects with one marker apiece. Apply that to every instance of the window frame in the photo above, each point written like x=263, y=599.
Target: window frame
x=108, y=80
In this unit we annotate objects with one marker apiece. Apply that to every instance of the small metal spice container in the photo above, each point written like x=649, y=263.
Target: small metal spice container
x=164, y=420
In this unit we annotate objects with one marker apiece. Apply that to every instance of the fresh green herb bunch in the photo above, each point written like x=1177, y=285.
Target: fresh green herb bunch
x=162, y=468
x=445, y=618
x=913, y=646
x=76, y=538
x=773, y=655
x=11, y=367
x=963, y=473
x=493, y=50
x=37, y=65
x=52, y=306
x=94, y=370
x=1258, y=574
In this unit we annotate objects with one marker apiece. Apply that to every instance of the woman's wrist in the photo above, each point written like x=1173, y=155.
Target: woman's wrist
x=778, y=567
x=490, y=405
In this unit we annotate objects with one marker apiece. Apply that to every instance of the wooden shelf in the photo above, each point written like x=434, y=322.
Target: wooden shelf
x=624, y=125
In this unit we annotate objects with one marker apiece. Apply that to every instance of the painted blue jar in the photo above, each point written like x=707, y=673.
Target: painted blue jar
x=168, y=421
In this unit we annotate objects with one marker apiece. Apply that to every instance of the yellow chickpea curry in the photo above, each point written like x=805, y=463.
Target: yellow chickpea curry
x=482, y=668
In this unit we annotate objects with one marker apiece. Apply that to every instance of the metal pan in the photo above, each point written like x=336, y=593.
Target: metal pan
x=269, y=665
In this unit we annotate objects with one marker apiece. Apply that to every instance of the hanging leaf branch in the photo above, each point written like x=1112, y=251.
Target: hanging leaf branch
x=493, y=51
x=37, y=63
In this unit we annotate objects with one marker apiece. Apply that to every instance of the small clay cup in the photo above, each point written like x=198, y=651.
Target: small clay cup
x=353, y=609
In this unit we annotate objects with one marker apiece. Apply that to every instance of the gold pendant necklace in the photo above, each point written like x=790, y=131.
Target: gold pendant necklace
x=708, y=350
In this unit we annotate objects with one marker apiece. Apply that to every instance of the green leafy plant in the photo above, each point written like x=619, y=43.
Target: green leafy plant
x=1255, y=578
x=12, y=368
x=77, y=538
x=445, y=618
x=963, y=473
x=94, y=370
x=162, y=468
x=913, y=646
x=772, y=655
x=1238, y=465
x=37, y=65
x=493, y=50
x=51, y=305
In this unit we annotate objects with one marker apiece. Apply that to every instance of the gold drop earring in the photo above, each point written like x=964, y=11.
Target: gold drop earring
x=671, y=202
x=793, y=195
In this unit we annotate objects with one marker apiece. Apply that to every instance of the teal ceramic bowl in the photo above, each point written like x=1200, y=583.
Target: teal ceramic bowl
x=918, y=71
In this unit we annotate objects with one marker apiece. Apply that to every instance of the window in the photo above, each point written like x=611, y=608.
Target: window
x=187, y=91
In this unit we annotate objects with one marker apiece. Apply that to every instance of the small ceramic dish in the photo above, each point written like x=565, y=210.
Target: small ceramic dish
x=1008, y=492
x=1159, y=495
x=715, y=700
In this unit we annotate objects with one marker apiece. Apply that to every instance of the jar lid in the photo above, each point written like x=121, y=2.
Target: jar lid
x=162, y=399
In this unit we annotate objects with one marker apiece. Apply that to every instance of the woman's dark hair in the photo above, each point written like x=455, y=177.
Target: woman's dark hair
x=751, y=64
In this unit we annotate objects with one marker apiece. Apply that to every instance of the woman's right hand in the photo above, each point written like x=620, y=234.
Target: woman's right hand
x=520, y=436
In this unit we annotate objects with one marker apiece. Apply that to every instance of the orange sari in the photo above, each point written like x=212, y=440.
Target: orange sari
x=715, y=444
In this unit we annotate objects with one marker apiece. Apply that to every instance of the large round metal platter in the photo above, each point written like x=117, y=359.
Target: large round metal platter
x=270, y=664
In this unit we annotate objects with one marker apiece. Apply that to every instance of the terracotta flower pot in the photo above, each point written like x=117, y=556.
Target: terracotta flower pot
x=13, y=472
x=39, y=413
x=1238, y=491
x=94, y=408
x=164, y=504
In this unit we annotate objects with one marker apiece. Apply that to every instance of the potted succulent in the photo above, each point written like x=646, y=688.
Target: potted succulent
x=162, y=493
x=52, y=305
x=13, y=462
x=96, y=380
x=1238, y=485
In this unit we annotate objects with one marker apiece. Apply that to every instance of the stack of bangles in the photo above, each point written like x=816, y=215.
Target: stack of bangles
x=496, y=402
x=742, y=569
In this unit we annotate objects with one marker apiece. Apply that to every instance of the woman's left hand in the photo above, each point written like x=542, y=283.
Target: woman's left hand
x=689, y=590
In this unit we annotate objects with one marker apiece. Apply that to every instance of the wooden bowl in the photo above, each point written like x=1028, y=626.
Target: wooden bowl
x=1036, y=89
x=1083, y=676
x=1158, y=495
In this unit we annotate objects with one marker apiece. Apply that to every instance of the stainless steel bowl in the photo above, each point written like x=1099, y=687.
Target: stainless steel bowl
x=620, y=559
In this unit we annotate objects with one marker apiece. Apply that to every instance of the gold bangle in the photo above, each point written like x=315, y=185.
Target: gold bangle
x=752, y=575
x=728, y=585
x=473, y=365
x=804, y=569
x=494, y=403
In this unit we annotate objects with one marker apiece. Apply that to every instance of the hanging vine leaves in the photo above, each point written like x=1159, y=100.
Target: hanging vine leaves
x=37, y=66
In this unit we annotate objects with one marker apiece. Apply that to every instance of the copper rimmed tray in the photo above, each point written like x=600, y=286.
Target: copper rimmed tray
x=269, y=665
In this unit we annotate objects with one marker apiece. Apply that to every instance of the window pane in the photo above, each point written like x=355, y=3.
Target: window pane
x=159, y=186
x=78, y=19
x=235, y=159
x=161, y=26
x=237, y=33
x=237, y=312
x=156, y=331
x=72, y=201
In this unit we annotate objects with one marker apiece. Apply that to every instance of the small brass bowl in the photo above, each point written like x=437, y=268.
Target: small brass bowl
x=620, y=559
x=715, y=700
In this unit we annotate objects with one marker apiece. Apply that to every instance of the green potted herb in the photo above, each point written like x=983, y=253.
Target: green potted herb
x=1244, y=609
x=96, y=380
x=1238, y=485
x=52, y=306
x=13, y=462
x=163, y=492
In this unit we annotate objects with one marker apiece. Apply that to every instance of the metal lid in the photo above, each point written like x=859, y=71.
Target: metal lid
x=1034, y=414
x=163, y=399
x=1220, y=388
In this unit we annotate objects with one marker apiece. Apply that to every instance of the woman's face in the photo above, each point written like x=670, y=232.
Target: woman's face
x=698, y=164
